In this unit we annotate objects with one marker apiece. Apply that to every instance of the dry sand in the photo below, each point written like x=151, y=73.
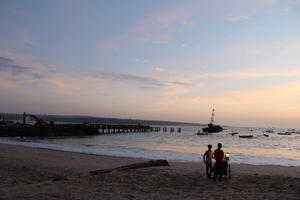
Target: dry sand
x=31, y=173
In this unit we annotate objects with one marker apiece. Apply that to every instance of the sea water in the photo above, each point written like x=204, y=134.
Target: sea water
x=184, y=146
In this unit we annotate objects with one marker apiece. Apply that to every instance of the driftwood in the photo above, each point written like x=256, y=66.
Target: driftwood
x=151, y=163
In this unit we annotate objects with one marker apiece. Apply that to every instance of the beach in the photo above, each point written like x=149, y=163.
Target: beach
x=34, y=173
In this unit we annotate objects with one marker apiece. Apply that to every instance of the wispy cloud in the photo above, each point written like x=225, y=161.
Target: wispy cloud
x=158, y=69
x=108, y=46
x=141, y=60
x=158, y=28
x=141, y=80
x=19, y=33
x=247, y=75
x=184, y=45
x=7, y=84
x=238, y=18
x=169, y=87
x=63, y=86
x=9, y=65
x=27, y=39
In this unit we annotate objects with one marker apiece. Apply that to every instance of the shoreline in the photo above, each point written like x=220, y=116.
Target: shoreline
x=155, y=154
x=291, y=171
x=35, y=173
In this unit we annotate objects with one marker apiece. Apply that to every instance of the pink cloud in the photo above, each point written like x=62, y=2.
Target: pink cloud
x=158, y=69
x=238, y=18
x=108, y=46
x=19, y=32
x=7, y=84
x=245, y=75
x=28, y=40
x=62, y=86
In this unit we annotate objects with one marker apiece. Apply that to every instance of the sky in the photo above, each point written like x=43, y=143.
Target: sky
x=155, y=60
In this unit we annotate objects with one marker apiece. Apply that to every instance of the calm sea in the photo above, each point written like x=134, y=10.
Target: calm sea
x=184, y=146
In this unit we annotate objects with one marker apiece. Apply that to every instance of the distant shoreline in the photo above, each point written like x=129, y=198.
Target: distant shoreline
x=106, y=120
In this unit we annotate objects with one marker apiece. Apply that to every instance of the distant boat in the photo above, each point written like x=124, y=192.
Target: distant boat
x=211, y=127
x=245, y=136
x=285, y=133
x=266, y=135
x=234, y=133
x=270, y=131
x=201, y=133
x=292, y=131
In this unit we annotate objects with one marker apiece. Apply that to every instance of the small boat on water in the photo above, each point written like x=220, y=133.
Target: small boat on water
x=266, y=135
x=285, y=133
x=234, y=133
x=211, y=127
x=245, y=136
x=270, y=131
x=201, y=133
x=293, y=131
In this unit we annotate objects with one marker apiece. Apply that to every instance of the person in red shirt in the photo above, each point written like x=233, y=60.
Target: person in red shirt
x=218, y=168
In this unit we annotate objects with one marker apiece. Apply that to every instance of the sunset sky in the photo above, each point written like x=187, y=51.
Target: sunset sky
x=160, y=60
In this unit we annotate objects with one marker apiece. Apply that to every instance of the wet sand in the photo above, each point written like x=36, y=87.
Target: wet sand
x=32, y=173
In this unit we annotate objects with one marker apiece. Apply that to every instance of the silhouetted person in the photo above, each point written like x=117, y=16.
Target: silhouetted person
x=207, y=159
x=218, y=168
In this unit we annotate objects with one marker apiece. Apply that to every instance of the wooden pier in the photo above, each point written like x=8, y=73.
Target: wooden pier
x=113, y=128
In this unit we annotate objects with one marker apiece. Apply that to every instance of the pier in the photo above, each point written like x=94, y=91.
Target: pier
x=114, y=128
x=44, y=129
x=111, y=128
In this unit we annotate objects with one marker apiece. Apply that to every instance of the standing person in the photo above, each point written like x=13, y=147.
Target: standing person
x=207, y=159
x=218, y=168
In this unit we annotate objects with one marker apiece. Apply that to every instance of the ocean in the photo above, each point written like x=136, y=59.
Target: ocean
x=185, y=146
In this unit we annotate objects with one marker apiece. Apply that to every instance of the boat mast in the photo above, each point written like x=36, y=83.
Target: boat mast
x=212, y=117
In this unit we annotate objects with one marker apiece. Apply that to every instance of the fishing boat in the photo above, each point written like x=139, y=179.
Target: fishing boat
x=201, y=133
x=234, y=133
x=245, y=136
x=270, y=131
x=284, y=133
x=211, y=127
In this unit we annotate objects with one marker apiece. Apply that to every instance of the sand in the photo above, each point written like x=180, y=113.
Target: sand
x=32, y=173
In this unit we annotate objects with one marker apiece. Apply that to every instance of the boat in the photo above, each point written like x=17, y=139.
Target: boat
x=266, y=135
x=234, y=133
x=201, y=133
x=211, y=127
x=245, y=136
x=270, y=131
x=285, y=133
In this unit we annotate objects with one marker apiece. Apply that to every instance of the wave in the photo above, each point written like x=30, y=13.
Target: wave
x=152, y=154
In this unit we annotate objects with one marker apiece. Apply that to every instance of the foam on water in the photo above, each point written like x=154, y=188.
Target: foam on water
x=151, y=154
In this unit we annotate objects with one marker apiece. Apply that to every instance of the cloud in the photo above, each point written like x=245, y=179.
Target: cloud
x=158, y=28
x=158, y=69
x=27, y=39
x=139, y=60
x=108, y=46
x=7, y=64
x=246, y=75
x=18, y=32
x=169, y=87
x=238, y=18
x=142, y=80
x=7, y=84
x=184, y=45
x=63, y=86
